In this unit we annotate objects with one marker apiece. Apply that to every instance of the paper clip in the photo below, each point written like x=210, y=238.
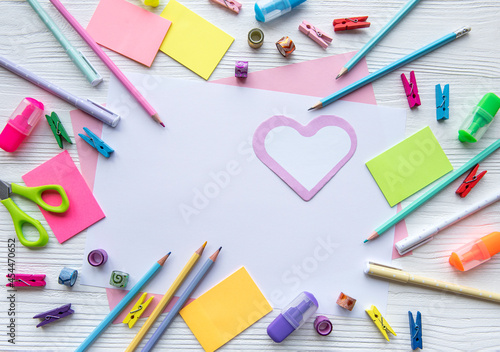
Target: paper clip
x=442, y=102
x=96, y=142
x=380, y=322
x=470, y=181
x=54, y=314
x=411, y=89
x=415, y=331
x=232, y=5
x=315, y=34
x=25, y=280
x=57, y=129
x=345, y=24
x=137, y=310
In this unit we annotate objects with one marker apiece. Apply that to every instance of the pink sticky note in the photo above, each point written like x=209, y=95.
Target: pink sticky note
x=128, y=29
x=83, y=208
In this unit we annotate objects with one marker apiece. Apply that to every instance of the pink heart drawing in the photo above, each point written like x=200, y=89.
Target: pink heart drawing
x=262, y=135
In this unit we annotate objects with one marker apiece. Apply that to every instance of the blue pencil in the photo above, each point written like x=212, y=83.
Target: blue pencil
x=394, y=66
x=375, y=39
x=123, y=303
x=182, y=299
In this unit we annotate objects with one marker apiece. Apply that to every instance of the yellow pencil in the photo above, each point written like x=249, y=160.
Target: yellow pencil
x=166, y=298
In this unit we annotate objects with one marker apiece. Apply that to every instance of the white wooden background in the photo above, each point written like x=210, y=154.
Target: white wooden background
x=470, y=65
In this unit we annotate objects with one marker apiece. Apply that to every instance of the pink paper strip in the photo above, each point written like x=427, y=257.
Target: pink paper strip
x=83, y=208
x=128, y=29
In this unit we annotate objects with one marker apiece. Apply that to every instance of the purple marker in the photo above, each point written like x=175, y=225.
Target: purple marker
x=293, y=316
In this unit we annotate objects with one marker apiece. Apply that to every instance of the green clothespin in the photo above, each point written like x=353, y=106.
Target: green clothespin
x=57, y=129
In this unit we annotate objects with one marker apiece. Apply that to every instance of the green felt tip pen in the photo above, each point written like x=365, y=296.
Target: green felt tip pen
x=476, y=124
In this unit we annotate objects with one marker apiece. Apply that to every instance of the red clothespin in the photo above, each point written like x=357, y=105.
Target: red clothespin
x=315, y=34
x=232, y=5
x=470, y=181
x=345, y=24
x=54, y=314
x=411, y=89
x=25, y=280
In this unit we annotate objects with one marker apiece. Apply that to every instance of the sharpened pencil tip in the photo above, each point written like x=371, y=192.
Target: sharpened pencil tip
x=201, y=249
x=161, y=123
x=164, y=259
x=316, y=106
x=215, y=255
x=365, y=241
x=342, y=72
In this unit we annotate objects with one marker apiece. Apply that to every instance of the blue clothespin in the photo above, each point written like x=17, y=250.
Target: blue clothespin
x=58, y=129
x=96, y=142
x=442, y=102
x=415, y=331
x=54, y=314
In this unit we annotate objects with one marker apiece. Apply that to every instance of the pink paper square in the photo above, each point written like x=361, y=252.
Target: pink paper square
x=128, y=29
x=83, y=208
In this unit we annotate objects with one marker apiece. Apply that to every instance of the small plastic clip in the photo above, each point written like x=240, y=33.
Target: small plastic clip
x=323, y=325
x=68, y=277
x=241, y=69
x=285, y=46
x=58, y=129
x=470, y=181
x=345, y=24
x=380, y=322
x=25, y=280
x=315, y=34
x=415, y=331
x=137, y=310
x=96, y=142
x=118, y=279
x=442, y=102
x=345, y=301
x=411, y=89
x=54, y=314
x=232, y=5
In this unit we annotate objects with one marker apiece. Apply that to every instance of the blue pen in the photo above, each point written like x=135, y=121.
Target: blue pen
x=120, y=306
x=182, y=299
x=394, y=66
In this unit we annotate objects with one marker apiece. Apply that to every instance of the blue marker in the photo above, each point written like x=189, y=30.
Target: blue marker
x=267, y=10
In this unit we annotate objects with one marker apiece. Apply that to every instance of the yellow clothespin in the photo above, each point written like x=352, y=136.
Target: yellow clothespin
x=379, y=320
x=137, y=310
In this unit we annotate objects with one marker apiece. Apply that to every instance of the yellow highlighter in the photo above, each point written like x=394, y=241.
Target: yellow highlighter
x=476, y=252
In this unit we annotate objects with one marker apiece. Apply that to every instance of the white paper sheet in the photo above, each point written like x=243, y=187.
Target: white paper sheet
x=170, y=189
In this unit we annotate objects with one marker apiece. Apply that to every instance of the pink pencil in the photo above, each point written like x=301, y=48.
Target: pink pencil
x=107, y=61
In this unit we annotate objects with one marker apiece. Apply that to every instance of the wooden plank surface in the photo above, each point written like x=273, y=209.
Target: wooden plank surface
x=470, y=65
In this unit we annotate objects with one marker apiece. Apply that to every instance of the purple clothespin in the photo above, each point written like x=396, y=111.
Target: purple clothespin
x=315, y=34
x=54, y=314
x=232, y=5
x=411, y=89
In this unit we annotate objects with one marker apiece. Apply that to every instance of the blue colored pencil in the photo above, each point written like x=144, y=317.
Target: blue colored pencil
x=182, y=299
x=120, y=306
x=375, y=39
x=394, y=66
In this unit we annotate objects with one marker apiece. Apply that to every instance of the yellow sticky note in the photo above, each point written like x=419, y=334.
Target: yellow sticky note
x=193, y=41
x=409, y=166
x=225, y=310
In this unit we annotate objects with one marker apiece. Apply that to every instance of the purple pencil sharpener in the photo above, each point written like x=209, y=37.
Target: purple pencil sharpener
x=293, y=316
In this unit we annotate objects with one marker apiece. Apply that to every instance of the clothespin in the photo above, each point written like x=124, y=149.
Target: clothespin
x=96, y=142
x=54, y=314
x=315, y=34
x=380, y=322
x=25, y=280
x=232, y=5
x=345, y=24
x=411, y=89
x=470, y=181
x=137, y=310
x=57, y=129
x=442, y=102
x=415, y=331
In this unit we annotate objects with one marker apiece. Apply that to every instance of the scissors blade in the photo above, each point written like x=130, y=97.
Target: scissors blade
x=5, y=190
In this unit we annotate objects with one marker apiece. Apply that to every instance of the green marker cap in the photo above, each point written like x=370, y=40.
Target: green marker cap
x=476, y=124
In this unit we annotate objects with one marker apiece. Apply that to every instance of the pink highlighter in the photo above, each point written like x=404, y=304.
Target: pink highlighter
x=21, y=123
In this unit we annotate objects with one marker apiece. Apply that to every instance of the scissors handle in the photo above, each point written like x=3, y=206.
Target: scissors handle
x=35, y=194
x=20, y=218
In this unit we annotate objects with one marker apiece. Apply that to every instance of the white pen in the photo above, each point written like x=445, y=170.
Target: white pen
x=410, y=243
x=86, y=105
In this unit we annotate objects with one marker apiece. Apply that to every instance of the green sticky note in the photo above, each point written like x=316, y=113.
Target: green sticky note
x=409, y=166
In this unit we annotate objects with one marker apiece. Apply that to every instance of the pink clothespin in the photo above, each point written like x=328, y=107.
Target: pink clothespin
x=232, y=5
x=411, y=89
x=315, y=34
x=25, y=280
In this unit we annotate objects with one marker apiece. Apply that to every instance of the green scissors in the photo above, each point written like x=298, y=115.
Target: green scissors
x=19, y=217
